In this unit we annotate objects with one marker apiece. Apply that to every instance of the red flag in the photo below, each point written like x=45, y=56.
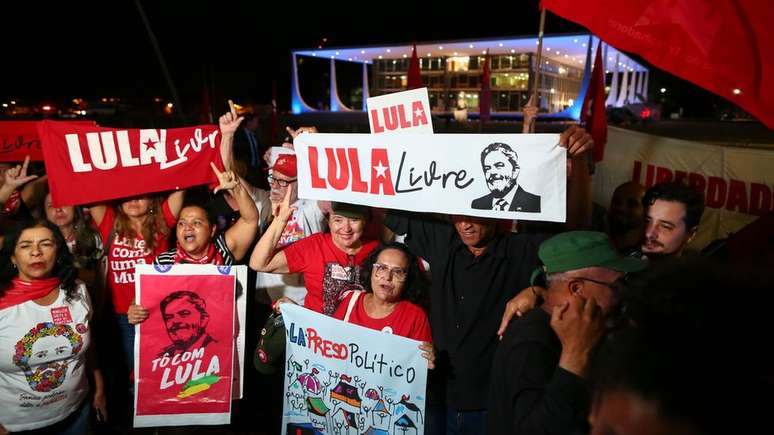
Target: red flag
x=19, y=139
x=414, y=75
x=485, y=99
x=724, y=47
x=88, y=164
x=593, y=114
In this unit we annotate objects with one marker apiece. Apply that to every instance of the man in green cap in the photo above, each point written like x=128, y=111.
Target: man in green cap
x=537, y=376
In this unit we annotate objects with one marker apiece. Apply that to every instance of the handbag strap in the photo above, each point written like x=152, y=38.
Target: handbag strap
x=352, y=302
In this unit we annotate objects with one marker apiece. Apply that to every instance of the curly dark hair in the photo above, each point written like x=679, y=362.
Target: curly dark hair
x=412, y=291
x=64, y=266
x=692, y=199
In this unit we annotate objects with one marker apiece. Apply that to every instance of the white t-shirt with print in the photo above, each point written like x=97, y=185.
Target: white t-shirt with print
x=308, y=219
x=43, y=360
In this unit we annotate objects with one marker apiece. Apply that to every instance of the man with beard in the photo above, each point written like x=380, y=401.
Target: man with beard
x=185, y=317
x=672, y=214
x=626, y=218
x=48, y=349
x=501, y=172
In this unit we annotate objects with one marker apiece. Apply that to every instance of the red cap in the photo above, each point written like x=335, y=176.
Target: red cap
x=286, y=165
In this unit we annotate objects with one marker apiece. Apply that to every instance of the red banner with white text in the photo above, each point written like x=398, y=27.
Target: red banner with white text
x=19, y=139
x=87, y=164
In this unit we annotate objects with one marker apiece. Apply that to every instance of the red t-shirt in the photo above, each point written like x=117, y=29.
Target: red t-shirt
x=407, y=320
x=328, y=271
x=122, y=257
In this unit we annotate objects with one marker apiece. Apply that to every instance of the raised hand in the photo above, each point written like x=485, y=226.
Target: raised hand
x=17, y=176
x=227, y=179
x=530, y=112
x=283, y=210
x=229, y=121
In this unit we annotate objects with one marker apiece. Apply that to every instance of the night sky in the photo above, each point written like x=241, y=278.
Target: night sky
x=92, y=49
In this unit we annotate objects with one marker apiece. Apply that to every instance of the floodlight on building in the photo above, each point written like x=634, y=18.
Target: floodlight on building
x=388, y=50
x=663, y=90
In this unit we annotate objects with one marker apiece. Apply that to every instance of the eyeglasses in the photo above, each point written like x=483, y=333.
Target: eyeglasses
x=281, y=183
x=384, y=271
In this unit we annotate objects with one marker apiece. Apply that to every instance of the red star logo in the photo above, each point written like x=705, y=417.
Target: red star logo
x=149, y=144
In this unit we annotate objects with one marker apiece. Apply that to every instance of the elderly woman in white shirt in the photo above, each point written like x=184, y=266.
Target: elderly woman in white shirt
x=45, y=336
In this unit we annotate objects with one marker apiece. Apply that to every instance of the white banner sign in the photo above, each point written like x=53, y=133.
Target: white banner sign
x=346, y=379
x=508, y=176
x=736, y=182
x=401, y=112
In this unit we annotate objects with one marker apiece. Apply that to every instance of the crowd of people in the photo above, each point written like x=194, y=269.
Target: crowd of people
x=525, y=328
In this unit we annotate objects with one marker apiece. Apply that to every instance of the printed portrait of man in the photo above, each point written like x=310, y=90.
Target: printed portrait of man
x=501, y=172
x=185, y=317
x=44, y=354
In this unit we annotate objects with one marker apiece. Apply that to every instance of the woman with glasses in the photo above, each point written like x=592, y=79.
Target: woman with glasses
x=390, y=278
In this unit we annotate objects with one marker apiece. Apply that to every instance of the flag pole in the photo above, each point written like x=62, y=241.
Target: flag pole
x=538, y=57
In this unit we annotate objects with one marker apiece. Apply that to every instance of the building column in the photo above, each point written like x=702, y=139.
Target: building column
x=336, y=104
x=633, y=88
x=365, y=86
x=613, y=95
x=644, y=86
x=624, y=89
x=297, y=103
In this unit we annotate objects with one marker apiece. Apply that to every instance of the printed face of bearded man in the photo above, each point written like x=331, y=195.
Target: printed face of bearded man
x=45, y=353
x=185, y=318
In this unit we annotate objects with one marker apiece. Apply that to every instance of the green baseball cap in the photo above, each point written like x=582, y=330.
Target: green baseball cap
x=352, y=211
x=580, y=249
x=271, y=347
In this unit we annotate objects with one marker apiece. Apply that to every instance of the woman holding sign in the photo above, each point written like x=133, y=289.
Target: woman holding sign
x=45, y=332
x=135, y=231
x=197, y=242
x=388, y=304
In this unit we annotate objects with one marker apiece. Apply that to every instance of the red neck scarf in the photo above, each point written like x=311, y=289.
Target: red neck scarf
x=20, y=291
x=181, y=257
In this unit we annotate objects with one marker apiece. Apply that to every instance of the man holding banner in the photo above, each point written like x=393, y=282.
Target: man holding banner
x=475, y=270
